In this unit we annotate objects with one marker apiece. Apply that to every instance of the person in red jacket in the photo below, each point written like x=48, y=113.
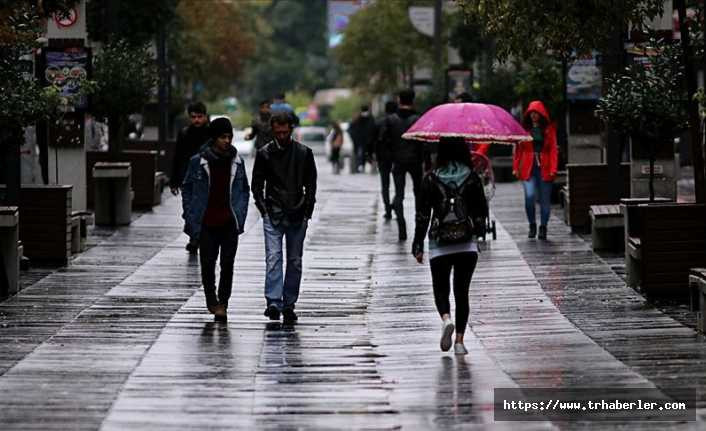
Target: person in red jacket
x=535, y=164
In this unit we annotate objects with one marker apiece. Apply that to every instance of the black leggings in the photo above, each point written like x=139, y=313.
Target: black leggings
x=463, y=265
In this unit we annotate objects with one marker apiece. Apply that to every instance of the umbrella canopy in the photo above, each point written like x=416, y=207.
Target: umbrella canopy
x=475, y=122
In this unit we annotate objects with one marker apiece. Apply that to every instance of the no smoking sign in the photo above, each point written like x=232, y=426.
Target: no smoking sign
x=68, y=20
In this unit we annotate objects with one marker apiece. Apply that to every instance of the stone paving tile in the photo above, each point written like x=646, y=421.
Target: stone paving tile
x=134, y=348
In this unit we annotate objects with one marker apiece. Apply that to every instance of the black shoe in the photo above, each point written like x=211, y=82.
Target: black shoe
x=532, y=230
x=192, y=247
x=272, y=312
x=289, y=316
x=542, y=232
x=388, y=216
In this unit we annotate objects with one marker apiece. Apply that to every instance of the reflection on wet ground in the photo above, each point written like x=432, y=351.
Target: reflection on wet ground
x=120, y=339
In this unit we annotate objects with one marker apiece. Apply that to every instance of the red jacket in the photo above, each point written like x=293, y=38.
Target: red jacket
x=481, y=148
x=523, y=157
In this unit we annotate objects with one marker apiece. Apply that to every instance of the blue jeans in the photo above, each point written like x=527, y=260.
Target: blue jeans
x=534, y=186
x=283, y=292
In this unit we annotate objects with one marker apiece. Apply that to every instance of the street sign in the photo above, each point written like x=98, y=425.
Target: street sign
x=422, y=19
x=70, y=26
x=68, y=20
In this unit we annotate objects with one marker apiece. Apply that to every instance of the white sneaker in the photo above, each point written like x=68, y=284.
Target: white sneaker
x=447, y=330
x=460, y=349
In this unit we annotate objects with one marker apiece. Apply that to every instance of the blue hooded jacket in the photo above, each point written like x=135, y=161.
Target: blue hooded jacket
x=196, y=187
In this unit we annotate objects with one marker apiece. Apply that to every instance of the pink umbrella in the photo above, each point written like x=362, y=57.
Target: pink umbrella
x=475, y=122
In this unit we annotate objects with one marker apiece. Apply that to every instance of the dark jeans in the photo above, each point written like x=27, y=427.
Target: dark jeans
x=385, y=168
x=399, y=174
x=359, y=157
x=213, y=240
x=463, y=265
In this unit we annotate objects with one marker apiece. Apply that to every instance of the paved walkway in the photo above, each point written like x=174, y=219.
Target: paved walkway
x=120, y=339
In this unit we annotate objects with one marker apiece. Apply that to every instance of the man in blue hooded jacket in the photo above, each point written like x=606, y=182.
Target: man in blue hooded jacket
x=215, y=201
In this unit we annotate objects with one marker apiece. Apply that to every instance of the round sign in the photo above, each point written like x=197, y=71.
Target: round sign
x=68, y=20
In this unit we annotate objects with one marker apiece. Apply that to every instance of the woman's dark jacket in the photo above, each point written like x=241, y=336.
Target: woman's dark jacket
x=284, y=182
x=431, y=206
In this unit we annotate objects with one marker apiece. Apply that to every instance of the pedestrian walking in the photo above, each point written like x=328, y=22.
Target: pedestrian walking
x=284, y=189
x=535, y=164
x=384, y=147
x=260, y=128
x=452, y=201
x=407, y=156
x=279, y=104
x=335, y=140
x=189, y=142
x=215, y=202
x=362, y=130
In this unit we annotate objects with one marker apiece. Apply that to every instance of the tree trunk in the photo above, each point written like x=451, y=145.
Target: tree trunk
x=563, y=133
x=116, y=130
x=652, y=168
x=613, y=63
x=693, y=108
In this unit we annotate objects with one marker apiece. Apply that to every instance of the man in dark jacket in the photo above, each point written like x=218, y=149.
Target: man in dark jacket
x=383, y=154
x=407, y=156
x=261, y=126
x=189, y=141
x=284, y=189
x=362, y=131
x=215, y=203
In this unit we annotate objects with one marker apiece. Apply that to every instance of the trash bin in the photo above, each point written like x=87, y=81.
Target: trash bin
x=112, y=193
x=9, y=252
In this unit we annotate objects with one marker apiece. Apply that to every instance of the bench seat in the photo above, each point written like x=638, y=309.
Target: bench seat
x=607, y=224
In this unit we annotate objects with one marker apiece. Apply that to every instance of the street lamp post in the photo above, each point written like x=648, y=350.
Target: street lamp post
x=438, y=46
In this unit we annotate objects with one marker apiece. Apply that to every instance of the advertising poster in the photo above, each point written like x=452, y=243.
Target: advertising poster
x=339, y=12
x=458, y=81
x=66, y=68
x=583, y=80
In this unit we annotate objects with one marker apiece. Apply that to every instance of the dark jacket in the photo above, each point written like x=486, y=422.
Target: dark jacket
x=284, y=182
x=362, y=131
x=196, y=188
x=403, y=151
x=262, y=131
x=431, y=207
x=383, y=140
x=189, y=141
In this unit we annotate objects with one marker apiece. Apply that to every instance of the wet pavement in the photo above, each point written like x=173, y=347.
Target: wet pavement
x=120, y=339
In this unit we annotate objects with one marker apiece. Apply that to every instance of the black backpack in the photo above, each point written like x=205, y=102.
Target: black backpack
x=453, y=224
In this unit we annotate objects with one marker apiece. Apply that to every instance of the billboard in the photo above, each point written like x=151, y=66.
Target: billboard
x=339, y=13
x=583, y=79
x=66, y=68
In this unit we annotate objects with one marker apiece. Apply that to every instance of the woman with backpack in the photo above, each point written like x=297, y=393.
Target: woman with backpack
x=452, y=200
x=535, y=164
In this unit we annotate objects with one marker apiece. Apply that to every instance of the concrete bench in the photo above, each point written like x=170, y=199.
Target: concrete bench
x=663, y=241
x=80, y=220
x=697, y=290
x=587, y=184
x=607, y=226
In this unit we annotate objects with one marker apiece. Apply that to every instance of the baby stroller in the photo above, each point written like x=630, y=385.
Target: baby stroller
x=484, y=169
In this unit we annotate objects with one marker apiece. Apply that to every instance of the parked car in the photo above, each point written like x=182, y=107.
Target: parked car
x=313, y=137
